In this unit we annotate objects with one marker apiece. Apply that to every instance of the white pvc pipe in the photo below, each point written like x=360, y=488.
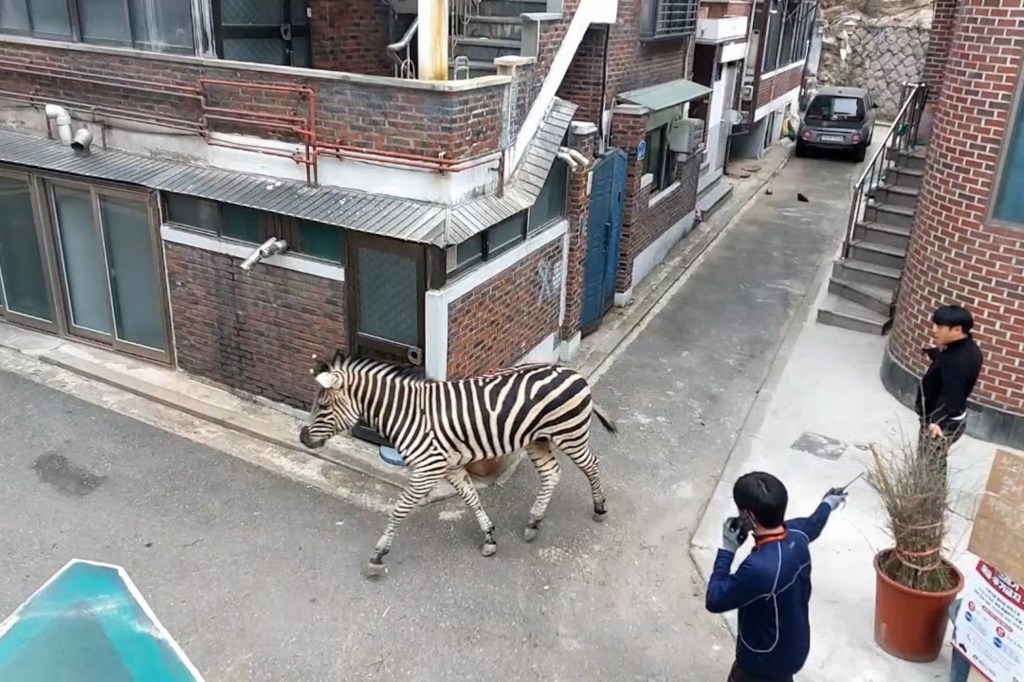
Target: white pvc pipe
x=63, y=119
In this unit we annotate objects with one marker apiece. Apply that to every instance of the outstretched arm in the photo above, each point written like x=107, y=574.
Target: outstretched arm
x=727, y=592
x=813, y=524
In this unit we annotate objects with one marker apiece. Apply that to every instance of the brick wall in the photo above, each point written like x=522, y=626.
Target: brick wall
x=506, y=317
x=350, y=35
x=779, y=84
x=459, y=123
x=954, y=255
x=723, y=10
x=256, y=331
x=642, y=223
x=943, y=21
x=582, y=83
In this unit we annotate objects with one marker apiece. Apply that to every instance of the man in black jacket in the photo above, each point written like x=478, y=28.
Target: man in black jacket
x=946, y=386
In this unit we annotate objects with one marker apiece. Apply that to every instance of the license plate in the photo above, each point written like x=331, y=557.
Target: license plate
x=832, y=138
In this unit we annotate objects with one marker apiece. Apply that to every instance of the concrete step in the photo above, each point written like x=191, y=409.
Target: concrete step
x=476, y=70
x=838, y=312
x=904, y=177
x=511, y=8
x=851, y=270
x=877, y=299
x=879, y=254
x=880, y=233
x=900, y=216
x=487, y=49
x=502, y=28
x=894, y=195
x=914, y=160
x=713, y=197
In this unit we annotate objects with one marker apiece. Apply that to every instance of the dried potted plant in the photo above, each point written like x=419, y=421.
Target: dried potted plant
x=915, y=584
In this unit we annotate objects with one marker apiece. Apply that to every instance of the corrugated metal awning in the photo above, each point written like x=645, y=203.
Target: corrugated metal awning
x=359, y=211
x=665, y=95
x=522, y=190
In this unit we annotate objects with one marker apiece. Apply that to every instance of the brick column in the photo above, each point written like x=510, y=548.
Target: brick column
x=955, y=254
x=628, y=129
x=939, y=41
x=584, y=140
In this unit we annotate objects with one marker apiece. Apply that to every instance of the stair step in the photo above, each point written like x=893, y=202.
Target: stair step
x=504, y=28
x=901, y=216
x=880, y=233
x=838, y=312
x=853, y=270
x=879, y=254
x=877, y=299
x=914, y=160
x=896, y=195
x=911, y=178
x=487, y=49
x=511, y=8
x=476, y=69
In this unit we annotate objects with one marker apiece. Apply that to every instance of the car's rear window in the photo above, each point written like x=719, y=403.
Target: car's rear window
x=832, y=108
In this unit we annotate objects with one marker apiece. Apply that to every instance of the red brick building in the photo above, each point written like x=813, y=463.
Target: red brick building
x=966, y=242
x=227, y=188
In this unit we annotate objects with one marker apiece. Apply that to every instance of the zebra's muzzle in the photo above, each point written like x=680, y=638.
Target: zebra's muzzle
x=307, y=441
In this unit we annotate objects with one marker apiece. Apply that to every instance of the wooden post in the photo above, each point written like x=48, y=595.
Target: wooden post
x=432, y=37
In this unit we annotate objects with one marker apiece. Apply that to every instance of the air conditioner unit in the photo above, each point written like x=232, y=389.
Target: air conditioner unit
x=747, y=93
x=685, y=135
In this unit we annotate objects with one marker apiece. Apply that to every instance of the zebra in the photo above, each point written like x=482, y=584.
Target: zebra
x=441, y=426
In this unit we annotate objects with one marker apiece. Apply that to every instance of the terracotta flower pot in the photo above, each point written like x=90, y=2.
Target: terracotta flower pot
x=911, y=624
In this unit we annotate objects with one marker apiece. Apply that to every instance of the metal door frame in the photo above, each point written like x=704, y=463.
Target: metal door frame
x=616, y=211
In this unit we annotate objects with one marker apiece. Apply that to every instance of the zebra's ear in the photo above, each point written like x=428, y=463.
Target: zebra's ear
x=338, y=359
x=328, y=380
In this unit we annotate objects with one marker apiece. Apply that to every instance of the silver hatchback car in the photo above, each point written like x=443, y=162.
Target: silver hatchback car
x=838, y=118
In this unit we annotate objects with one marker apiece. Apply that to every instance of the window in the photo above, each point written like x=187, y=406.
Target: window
x=551, y=203
x=152, y=25
x=238, y=223
x=660, y=161
x=491, y=243
x=831, y=108
x=668, y=19
x=1009, y=200
x=772, y=40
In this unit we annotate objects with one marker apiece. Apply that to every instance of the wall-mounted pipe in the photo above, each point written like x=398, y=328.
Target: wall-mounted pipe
x=60, y=115
x=81, y=142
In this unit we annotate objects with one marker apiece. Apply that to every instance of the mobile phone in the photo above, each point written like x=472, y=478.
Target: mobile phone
x=743, y=525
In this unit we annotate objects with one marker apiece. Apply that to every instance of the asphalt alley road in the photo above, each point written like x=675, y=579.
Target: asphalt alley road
x=258, y=577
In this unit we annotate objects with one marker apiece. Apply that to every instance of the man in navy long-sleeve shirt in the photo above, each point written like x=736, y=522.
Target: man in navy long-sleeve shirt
x=772, y=587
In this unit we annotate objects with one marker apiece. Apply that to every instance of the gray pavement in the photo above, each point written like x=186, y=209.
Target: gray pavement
x=258, y=577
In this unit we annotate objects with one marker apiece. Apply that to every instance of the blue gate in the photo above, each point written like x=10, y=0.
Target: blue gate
x=604, y=230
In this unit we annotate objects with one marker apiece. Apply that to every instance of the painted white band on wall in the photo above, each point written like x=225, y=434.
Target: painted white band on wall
x=286, y=261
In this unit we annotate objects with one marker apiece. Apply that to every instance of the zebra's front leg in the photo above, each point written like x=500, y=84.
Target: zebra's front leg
x=464, y=486
x=421, y=482
x=547, y=467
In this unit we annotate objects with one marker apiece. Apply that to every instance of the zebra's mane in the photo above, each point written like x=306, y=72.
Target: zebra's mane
x=391, y=370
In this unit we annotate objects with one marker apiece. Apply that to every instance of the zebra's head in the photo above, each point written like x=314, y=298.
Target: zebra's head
x=334, y=409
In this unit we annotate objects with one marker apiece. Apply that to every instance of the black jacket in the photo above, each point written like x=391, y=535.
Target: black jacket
x=945, y=387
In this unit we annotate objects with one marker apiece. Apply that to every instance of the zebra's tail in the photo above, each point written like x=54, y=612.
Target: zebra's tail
x=605, y=420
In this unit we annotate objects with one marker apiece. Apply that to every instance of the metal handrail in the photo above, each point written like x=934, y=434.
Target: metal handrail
x=404, y=68
x=901, y=137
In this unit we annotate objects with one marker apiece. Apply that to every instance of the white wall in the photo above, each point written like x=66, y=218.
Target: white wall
x=649, y=258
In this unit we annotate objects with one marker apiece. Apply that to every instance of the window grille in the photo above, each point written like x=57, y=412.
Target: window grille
x=668, y=19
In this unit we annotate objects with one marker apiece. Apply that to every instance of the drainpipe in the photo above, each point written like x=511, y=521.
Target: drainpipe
x=603, y=130
x=432, y=37
x=63, y=119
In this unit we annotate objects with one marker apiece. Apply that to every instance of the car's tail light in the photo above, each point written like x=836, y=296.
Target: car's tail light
x=855, y=137
x=808, y=135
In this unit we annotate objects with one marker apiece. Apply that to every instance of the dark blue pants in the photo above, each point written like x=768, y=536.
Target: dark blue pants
x=738, y=674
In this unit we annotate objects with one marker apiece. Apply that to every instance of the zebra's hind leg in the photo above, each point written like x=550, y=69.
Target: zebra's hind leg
x=421, y=482
x=464, y=486
x=549, y=471
x=582, y=456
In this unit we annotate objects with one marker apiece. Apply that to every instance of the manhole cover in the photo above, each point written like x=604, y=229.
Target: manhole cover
x=819, y=445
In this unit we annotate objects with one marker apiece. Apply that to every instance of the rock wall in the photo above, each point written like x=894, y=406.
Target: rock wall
x=877, y=44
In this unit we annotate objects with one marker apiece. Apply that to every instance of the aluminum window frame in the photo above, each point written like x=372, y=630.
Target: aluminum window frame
x=1014, y=137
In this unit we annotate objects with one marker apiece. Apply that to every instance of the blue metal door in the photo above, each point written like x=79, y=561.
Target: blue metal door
x=604, y=230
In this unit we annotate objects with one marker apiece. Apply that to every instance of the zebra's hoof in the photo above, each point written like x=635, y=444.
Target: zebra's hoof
x=599, y=516
x=373, y=570
x=530, y=533
x=488, y=549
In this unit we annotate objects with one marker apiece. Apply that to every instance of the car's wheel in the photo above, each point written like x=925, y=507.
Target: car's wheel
x=801, y=149
x=860, y=153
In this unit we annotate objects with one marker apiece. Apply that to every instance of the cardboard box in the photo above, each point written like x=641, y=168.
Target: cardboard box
x=998, y=535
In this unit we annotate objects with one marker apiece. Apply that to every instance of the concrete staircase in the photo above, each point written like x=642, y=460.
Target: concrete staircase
x=864, y=283
x=494, y=30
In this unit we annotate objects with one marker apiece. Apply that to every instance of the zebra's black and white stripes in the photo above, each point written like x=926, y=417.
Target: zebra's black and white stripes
x=440, y=427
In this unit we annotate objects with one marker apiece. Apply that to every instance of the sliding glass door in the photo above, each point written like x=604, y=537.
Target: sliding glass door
x=24, y=293
x=110, y=266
